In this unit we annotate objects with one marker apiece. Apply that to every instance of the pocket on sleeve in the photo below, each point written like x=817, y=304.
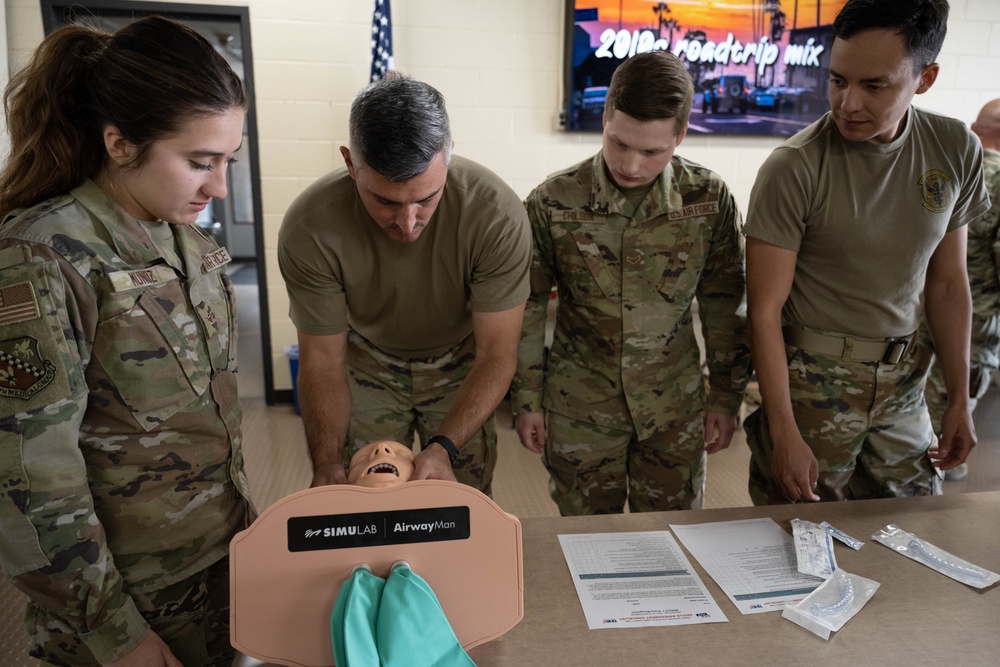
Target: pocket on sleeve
x=20, y=550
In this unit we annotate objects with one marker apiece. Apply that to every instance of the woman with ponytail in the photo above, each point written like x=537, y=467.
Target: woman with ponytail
x=120, y=467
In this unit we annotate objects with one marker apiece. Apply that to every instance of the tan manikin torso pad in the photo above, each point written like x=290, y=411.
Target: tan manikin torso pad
x=287, y=568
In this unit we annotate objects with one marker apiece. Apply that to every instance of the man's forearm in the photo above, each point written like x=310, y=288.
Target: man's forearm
x=768, y=353
x=481, y=391
x=326, y=414
x=949, y=313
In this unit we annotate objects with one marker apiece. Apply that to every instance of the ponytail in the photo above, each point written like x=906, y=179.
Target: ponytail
x=147, y=79
x=55, y=142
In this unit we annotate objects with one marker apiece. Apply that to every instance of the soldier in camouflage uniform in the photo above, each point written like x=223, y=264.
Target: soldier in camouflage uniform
x=630, y=238
x=852, y=223
x=983, y=265
x=120, y=466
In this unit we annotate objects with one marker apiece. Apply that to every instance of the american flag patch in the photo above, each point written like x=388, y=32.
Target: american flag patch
x=18, y=303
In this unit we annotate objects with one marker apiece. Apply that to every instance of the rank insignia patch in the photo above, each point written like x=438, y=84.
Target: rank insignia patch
x=23, y=373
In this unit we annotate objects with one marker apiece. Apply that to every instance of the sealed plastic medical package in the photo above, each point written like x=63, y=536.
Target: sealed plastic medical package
x=832, y=604
x=934, y=557
x=813, y=549
x=852, y=542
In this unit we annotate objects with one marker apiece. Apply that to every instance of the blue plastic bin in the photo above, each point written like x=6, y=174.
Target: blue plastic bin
x=292, y=351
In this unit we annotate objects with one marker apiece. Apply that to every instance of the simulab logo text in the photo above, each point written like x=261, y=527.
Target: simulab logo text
x=342, y=531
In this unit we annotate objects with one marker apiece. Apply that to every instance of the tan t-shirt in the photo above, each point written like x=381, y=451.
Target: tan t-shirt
x=865, y=218
x=412, y=300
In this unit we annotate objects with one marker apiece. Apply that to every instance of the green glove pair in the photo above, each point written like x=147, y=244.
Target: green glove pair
x=389, y=623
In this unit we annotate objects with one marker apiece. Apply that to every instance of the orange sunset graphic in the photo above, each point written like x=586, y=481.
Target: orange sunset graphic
x=758, y=66
x=714, y=17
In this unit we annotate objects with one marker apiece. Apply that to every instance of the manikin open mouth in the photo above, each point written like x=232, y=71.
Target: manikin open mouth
x=384, y=468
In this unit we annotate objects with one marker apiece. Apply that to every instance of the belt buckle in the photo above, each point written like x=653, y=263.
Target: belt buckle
x=894, y=350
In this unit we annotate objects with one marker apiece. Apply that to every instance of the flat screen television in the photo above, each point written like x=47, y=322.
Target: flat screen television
x=760, y=67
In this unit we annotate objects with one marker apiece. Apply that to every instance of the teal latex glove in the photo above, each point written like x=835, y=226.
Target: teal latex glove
x=412, y=629
x=352, y=623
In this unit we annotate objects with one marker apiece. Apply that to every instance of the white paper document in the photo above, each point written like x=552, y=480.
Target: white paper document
x=753, y=561
x=628, y=580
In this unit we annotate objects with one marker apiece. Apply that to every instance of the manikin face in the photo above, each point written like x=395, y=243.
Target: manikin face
x=180, y=174
x=381, y=464
x=636, y=152
x=403, y=209
x=872, y=83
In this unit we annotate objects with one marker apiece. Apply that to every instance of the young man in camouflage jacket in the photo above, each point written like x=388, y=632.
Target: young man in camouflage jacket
x=630, y=238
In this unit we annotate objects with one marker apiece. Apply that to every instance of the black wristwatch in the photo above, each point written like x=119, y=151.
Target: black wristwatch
x=448, y=445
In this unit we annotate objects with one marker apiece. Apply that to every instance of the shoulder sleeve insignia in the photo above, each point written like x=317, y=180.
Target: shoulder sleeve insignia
x=23, y=373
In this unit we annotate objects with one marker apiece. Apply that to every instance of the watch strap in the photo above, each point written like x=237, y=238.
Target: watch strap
x=448, y=445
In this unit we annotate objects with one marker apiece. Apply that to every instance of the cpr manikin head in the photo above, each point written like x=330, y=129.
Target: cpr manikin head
x=381, y=464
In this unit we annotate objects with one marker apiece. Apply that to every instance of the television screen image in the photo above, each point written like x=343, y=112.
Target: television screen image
x=760, y=67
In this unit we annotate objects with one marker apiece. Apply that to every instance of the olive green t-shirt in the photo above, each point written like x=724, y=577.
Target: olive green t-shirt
x=412, y=300
x=865, y=218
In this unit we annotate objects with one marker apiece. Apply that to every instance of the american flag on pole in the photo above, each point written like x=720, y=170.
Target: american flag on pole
x=382, y=63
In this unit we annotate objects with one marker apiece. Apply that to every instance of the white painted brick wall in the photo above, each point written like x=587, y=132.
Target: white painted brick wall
x=499, y=65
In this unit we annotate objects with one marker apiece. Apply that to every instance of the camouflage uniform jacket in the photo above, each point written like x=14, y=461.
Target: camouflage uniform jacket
x=984, y=270
x=983, y=266
x=624, y=353
x=120, y=463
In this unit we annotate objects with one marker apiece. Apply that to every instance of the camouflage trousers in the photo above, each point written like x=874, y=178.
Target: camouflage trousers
x=191, y=617
x=866, y=423
x=396, y=399
x=937, y=396
x=594, y=469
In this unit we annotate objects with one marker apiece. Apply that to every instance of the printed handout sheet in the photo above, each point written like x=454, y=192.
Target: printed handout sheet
x=627, y=580
x=753, y=561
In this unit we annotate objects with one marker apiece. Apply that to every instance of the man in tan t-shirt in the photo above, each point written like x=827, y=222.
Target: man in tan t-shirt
x=407, y=276
x=851, y=223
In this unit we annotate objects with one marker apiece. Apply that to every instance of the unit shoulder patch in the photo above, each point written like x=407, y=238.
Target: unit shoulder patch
x=23, y=373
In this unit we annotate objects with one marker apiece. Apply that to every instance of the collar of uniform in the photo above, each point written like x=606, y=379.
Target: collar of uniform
x=606, y=198
x=198, y=250
x=875, y=148
x=131, y=241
